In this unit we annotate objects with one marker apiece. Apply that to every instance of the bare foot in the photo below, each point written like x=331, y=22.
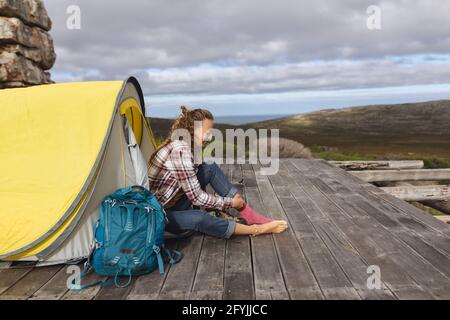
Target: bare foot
x=276, y=226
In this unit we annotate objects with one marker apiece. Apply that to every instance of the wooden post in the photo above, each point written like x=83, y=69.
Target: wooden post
x=378, y=165
x=446, y=219
x=440, y=205
x=403, y=175
x=419, y=193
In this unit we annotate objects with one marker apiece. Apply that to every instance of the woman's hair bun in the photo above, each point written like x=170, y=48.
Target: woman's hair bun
x=184, y=110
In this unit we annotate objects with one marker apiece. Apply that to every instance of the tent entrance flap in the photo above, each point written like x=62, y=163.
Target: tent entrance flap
x=139, y=163
x=132, y=111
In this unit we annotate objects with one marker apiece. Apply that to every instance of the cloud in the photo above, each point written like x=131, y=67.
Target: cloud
x=331, y=75
x=252, y=46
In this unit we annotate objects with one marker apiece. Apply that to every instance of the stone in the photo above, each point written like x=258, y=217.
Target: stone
x=7, y=85
x=44, y=58
x=15, y=68
x=26, y=47
x=13, y=30
x=31, y=12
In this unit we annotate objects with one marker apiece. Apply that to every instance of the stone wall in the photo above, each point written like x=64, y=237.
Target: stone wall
x=26, y=47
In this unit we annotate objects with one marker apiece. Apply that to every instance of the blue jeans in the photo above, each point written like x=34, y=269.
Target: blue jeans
x=183, y=217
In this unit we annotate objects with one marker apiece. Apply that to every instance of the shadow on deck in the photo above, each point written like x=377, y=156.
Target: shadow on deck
x=339, y=226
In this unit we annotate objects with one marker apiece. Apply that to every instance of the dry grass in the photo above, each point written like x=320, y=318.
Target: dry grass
x=291, y=149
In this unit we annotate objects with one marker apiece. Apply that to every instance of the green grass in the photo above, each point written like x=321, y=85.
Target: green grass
x=333, y=153
x=436, y=163
x=159, y=140
x=429, y=210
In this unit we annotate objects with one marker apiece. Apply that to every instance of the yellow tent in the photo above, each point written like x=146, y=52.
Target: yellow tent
x=63, y=147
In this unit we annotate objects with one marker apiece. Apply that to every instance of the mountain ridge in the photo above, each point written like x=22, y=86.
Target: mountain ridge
x=407, y=128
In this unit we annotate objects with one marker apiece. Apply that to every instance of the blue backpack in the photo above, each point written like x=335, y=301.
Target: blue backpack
x=129, y=237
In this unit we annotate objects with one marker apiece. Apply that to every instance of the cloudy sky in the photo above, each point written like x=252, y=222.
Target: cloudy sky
x=258, y=56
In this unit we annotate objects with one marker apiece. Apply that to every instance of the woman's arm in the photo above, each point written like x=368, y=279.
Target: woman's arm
x=181, y=165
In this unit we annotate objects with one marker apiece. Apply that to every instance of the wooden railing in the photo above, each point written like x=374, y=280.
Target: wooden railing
x=407, y=180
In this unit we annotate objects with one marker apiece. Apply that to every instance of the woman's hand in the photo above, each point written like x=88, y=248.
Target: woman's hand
x=238, y=202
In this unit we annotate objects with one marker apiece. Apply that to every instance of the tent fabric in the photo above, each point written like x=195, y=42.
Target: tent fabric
x=116, y=172
x=139, y=164
x=62, y=150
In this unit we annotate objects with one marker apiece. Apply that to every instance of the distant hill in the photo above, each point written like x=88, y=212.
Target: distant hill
x=378, y=120
x=160, y=126
x=246, y=119
x=404, y=129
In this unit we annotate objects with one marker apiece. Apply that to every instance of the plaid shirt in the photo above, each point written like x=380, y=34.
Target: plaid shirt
x=173, y=169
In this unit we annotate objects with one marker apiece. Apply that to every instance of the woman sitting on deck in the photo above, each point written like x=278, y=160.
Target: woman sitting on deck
x=179, y=184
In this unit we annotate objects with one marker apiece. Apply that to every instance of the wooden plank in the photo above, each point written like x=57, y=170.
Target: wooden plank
x=348, y=258
x=56, y=287
x=351, y=262
x=445, y=219
x=416, y=213
x=179, y=281
x=248, y=176
x=268, y=279
x=114, y=293
x=327, y=168
x=30, y=283
x=403, y=175
x=378, y=165
x=413, y=219
x=332, y=281
x=406, y=223
x=8, y=277
x=208, y=283
x=378, y=252
x=419, y=193
x=238, y=278
x=433, y=256
x=269, y=283
x=413, y=263
x=439, y=287
x=148, y=286
x=373, y=251
x=297, y=273
x=238, y=273
x=235, y=175
x=378, y=196
x=300, y=279
x=88, y=293
x=426, y=242
x=396, y=221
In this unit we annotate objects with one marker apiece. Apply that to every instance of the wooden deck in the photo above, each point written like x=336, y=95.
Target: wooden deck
x=339, y=225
